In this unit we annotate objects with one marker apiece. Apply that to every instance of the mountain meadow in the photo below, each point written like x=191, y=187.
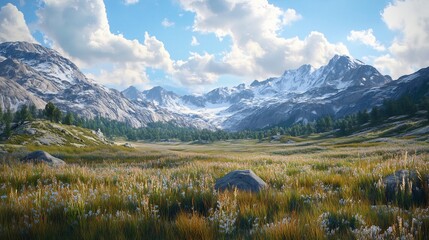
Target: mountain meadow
x=320, y=185
x=335, y=152
x=214, y=119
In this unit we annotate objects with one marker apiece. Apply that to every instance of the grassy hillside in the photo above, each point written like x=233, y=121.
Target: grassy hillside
x=319, y=189
x=42, y=132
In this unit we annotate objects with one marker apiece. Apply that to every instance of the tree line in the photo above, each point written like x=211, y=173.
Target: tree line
x=159, y=131
x=354, y=122
x=10, y=119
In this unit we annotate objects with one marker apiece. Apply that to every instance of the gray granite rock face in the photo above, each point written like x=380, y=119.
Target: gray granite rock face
x=245, y=180
x=43, y=157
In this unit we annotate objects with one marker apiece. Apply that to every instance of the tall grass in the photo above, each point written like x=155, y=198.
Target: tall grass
x=132, y=194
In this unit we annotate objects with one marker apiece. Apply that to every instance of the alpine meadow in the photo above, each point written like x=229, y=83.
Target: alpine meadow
x=224, y=119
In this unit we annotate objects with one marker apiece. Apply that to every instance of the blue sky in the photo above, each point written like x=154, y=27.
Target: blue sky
x=196, y=45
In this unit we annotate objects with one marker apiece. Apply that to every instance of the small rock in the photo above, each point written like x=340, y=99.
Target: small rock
x=276, y=137
x=31, y=131
x=43, y=157
x=407, y=179
x=100, y=135
x=128, y=145
x=245, y=180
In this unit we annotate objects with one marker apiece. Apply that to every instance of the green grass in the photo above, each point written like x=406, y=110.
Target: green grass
x=70, y=136
x=165, y=191
x=301, y=150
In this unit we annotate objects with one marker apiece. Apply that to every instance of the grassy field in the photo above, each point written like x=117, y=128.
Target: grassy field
x=319, y=189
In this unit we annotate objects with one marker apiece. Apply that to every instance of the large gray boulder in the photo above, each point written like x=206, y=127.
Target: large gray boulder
x=406, y=182
x=245, y=180
x=43, y=157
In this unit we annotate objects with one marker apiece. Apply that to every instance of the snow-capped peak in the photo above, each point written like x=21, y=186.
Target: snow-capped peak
x=160, y=96
x=304, y=69
x=302, y=93
x=132, y=93
x=46, y=61
x=344, y=62
x=341, y=72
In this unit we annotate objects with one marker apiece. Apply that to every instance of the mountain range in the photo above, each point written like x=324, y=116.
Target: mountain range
x=31, y=73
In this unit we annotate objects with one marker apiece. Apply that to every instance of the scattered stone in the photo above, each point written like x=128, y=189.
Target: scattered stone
x=276, y=137
x=49, y=139
x=31, y=131
x=381, y=140
x=100, y=135
x=128, y=145
x=43, y=157
x=403, y=180
x=78, y=145
x=419, y=131
x=245, y=180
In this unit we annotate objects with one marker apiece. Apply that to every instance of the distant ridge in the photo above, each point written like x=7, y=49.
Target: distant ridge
x=30, y=73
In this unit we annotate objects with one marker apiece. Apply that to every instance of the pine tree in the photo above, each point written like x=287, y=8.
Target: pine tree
x=390, y=108
x=375, y=115
x=1, y=115
x=362, y=117
x=40, y=113
x=427, y=112
x=69, y=119
x=23, y=115
x=57, y=115
x=7, y=118
x=320, y=125
x=427, y=108
x=33, y=111
x=49, y=111
x=328, y=123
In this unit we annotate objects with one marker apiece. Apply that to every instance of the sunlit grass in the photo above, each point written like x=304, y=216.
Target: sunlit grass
x=165, y=191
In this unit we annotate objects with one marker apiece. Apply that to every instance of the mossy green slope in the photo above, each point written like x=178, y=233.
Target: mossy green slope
x=54, y=134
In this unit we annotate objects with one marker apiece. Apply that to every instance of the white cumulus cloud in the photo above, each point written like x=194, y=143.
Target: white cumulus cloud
x=387, y=64
x=257, y=49
x=194, y=41
x=290, y=16
x=130, y=2
x=366, y=37
x=80, y=30
x=167, y=23
x=410, y=48
x=123, y=75
x=197, y=69
x=13, y=26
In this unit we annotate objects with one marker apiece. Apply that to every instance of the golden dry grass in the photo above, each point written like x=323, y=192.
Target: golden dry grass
x=165, y=191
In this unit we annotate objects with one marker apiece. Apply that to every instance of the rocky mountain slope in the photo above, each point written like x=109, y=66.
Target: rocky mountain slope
x=13, y=95
x=35, y=74
x=32, y=73
x=342, y=87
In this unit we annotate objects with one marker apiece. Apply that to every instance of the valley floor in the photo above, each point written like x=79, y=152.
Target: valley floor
x=318, y=189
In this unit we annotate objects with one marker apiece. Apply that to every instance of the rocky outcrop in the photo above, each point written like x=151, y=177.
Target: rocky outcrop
x=245, y=180
x=43, y=157
x=40, y=132
x=406, y=183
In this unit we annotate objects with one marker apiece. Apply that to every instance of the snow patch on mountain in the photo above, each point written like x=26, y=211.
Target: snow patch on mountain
x=225, y=107
x=343, y=86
